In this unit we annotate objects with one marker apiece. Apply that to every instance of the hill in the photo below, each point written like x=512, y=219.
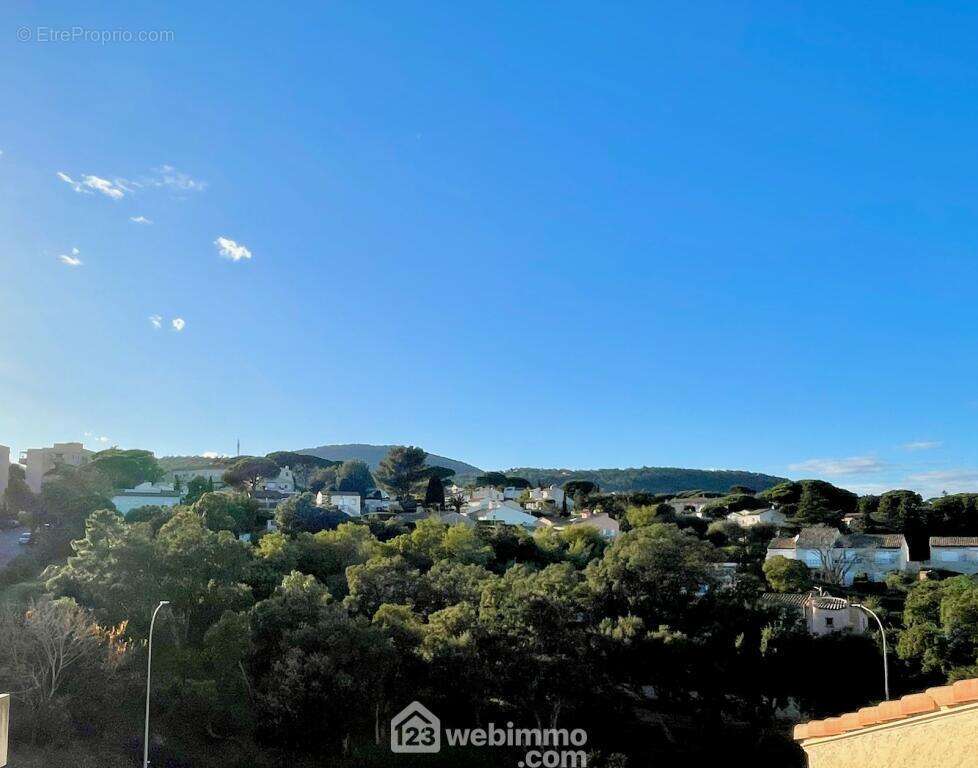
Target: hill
x=651, y=479
x=372, y=454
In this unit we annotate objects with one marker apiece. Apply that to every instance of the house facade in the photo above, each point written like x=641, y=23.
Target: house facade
x=845, y=557
x=554, y=496
x=822, y=614
x=146, y=495
x=954, y=553
x=347, y=502
x=283, y=482
x=607, y=526
x=748, y=518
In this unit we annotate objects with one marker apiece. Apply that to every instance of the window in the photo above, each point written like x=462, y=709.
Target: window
x=829, y=622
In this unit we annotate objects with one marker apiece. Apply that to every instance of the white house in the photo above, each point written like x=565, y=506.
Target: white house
x=347, y=502
x=146, y=495
x=690, y=505
x=487, y=493
x=748, y=518
x=542, y=498
x=283, y=482
x=607, y=526
x=825, y=549
x=954, y=553
x=823, y=615
x=508, y=513
x=376, y=501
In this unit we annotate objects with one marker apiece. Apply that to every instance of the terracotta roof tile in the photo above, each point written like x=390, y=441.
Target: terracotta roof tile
x=912, y=705
x=954, y=541
x=918, y=704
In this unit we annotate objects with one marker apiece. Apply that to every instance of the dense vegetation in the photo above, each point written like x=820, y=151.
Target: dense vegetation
x=649, y=479
x=297, y=647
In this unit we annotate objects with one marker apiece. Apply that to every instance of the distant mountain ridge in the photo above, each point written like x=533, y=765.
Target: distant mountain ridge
x=372, y=455
x=652, y=479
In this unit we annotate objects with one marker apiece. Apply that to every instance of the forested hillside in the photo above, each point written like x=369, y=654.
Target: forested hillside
x=651, y=479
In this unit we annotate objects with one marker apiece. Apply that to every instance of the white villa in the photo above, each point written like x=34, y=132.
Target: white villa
x=825, y=549
x=542, y=498
x=146, y=495
x=748, y=518
x=347, y=502
x=507, y=512
x=284, y=482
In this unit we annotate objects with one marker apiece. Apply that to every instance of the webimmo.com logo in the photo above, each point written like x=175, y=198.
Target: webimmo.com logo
x=415, y=729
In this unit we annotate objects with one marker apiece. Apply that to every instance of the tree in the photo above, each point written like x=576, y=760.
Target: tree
x=434, y=495
x=300, y=513
x=442, y=473
x=812, y=502
x=584, y=487
x=248, y=472
x=941, y=627
x=652, y=572
x=401, y=469
x=310, y=657
x=787, y=575
x=47, y=648
x=904, y=512
x=323, y=479
x=235, y=512
x=18, y=497
x=738, y=490
x=354, y=476
x=125, y=469
x=303, y=466
x=196, y=488
x=494, y=479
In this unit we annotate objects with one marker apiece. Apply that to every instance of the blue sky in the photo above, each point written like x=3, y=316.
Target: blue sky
x=732, y=235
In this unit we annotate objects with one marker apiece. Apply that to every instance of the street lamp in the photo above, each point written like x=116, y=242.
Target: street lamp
x=886, y=669
x=149, y=672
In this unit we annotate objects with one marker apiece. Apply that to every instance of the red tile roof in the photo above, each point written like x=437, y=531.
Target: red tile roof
x=931, y=700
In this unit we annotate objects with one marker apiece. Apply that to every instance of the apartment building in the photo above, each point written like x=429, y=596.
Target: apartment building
x=39, y=461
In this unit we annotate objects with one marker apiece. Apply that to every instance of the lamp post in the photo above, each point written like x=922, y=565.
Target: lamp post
x=886, y=668
x=149, y=672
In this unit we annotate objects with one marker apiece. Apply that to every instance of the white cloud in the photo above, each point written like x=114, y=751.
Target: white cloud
x=88, y=184
x=213, y=455
x=937, y=481
x=71, y=259
x=178, y=324
x=229, y=249
x=922, y=445
x=852, y=465
x=103, y=439
x=140, y=220
x=156, y=321
x=170, y=177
